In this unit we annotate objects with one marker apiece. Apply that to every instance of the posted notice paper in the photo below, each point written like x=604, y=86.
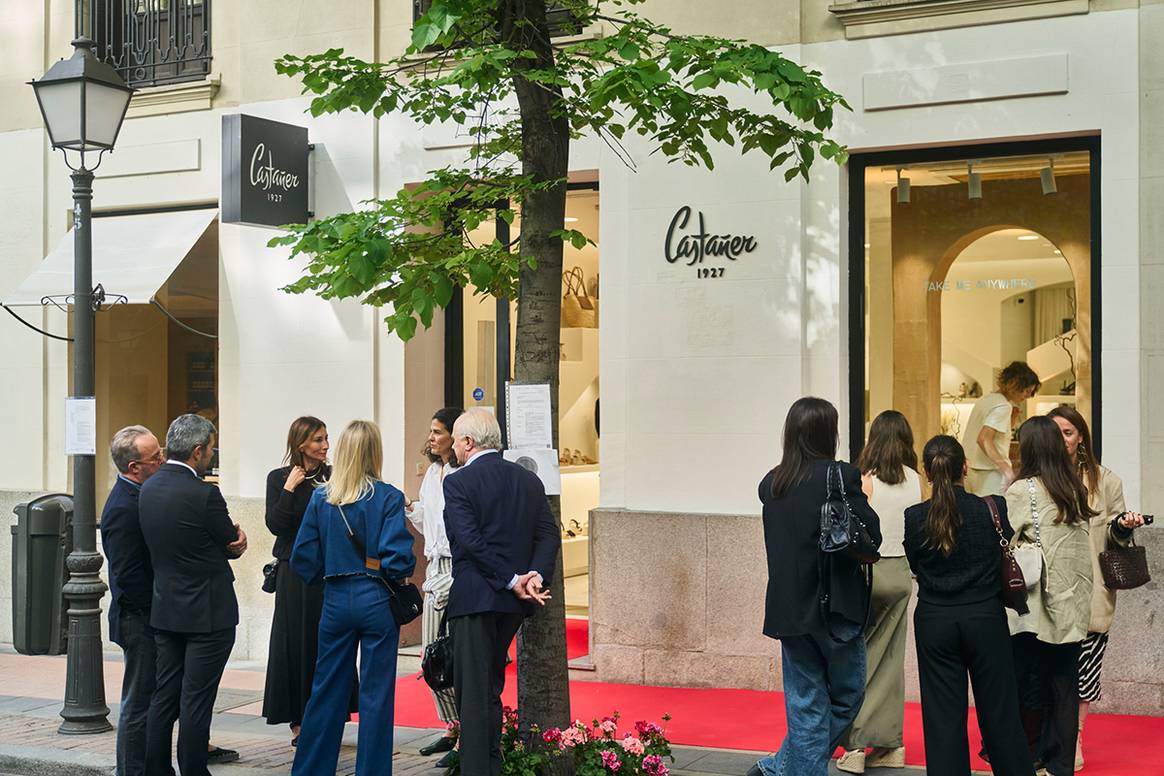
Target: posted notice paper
x=80, y=425
x=527, y=411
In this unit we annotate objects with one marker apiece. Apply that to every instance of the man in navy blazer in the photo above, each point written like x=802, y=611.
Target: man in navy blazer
x=191, y=541
x=504, y=542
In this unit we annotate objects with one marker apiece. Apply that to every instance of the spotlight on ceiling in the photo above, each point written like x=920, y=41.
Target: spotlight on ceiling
x=1028, y=237
x=1047, y=178
x=973, y=182
x=902, y=188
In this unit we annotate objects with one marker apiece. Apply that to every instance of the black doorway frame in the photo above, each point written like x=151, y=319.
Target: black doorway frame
x=455, y=334
x=859, y=162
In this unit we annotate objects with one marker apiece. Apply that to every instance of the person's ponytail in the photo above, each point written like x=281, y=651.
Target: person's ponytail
x=944, y=459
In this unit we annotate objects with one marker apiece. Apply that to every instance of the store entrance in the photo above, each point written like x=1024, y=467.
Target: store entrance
x=487, y=331
x=963, y=261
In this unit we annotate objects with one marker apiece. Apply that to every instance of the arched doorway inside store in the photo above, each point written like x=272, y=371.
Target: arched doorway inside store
x=956, y=252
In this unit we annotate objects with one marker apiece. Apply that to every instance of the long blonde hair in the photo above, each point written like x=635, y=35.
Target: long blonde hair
x=358, y=459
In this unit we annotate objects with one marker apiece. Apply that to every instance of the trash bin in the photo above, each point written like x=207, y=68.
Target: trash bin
x=42, y=536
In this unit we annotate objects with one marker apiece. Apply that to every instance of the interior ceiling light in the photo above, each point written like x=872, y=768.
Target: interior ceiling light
x=1028, y=237
x=570, y=219
x=973, y=182
x=1047, y=178
x=902, y=188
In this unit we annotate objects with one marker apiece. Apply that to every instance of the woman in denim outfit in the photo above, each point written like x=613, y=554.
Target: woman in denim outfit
x=355, y=603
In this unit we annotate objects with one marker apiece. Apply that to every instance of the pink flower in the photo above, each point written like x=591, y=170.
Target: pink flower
x=632, y=744
x=609, y=727
x=646, y=729
x=552, y=736
x=610, y=761
x=653, y=765
x=572, y=737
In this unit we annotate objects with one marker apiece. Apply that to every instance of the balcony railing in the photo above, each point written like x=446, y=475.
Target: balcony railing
x=149, y=42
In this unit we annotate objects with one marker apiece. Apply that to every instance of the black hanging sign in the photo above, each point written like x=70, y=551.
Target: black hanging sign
x=264, y=171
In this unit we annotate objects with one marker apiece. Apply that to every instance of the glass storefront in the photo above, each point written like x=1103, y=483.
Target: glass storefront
x=967, y=262
x=483, y=337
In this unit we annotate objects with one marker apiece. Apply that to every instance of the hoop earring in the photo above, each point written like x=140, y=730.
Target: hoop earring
x=1081, y=453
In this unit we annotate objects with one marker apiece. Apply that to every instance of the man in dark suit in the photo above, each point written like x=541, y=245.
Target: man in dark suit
x=189, y=533
x=505, y=543
x=137, y=456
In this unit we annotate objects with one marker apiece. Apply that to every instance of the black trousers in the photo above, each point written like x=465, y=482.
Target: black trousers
x=480, y=644
x=1049, y=695
x=953, y=641
x=137, y=687
x=189, y=669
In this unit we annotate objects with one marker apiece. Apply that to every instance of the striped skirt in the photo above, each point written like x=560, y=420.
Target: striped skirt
x=438, y=582
x=1090, y=666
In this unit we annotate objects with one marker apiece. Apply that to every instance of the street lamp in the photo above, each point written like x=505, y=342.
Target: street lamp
x=83, y=102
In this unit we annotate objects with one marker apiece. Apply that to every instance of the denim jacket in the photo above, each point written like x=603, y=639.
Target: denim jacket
x=322, y=548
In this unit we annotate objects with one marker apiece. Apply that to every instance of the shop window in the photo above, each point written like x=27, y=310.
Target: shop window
x=150, y=42
x=962, y=265
x=488, y=329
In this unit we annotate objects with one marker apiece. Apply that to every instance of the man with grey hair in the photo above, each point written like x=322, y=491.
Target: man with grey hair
x=504, y=542
x=191, y=540
x=137, y=456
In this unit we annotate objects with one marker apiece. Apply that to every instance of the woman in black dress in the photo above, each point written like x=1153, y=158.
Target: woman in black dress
x=298, y=606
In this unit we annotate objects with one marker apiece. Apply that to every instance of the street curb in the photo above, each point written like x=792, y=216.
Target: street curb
x=36, y=761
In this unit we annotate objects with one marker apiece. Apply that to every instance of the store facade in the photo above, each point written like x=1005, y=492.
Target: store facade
x=716, y=299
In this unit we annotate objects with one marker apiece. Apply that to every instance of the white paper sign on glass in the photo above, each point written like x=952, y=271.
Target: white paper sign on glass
x=80, y=425
x=528, y=419
x=541, y=461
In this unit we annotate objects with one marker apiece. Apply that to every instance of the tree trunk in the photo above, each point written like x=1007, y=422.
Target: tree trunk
x=543, y=690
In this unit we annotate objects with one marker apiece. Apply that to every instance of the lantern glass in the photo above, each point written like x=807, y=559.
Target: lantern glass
x=104, y=108
x=62, y=105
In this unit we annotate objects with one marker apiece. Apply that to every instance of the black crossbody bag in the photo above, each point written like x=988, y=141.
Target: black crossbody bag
x=403, y=597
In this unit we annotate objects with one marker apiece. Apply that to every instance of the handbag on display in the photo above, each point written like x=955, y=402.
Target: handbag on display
x=270, y=575
x=1124, y=568
x=436, y=666
x=579, y=310
x=403, y=597
x=1030, y=557
x=841, y=530
x=1014, y=587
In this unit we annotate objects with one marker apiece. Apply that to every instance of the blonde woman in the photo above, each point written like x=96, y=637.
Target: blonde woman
x=354, y=503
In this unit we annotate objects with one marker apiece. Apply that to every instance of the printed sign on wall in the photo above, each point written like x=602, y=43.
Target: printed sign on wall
x=264, y=171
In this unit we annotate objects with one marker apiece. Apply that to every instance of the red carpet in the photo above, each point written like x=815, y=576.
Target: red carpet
x=748, y=719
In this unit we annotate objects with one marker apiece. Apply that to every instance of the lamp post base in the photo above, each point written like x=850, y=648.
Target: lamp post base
x=84, y=712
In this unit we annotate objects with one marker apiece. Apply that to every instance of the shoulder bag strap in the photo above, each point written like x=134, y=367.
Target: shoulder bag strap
x=994, y=516
x=1034, y=512
x=372, y=564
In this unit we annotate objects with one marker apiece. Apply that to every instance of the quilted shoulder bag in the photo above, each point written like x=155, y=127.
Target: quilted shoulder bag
x=1010, y=576
x=437, y=663
x=1030, y=556
x=1124, y=568
x=841, y=530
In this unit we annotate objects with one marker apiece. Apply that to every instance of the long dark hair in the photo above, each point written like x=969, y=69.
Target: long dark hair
x=889, y=448
x=447, y=416
x=944, y=460
x=1045, y=456
x=1085, y=454
x=302, y=429
x=810, y=434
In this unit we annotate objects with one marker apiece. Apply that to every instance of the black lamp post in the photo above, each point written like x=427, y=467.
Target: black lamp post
x=83, y=102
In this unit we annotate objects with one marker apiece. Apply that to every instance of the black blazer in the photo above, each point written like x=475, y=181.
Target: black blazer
x=791, y=538
x=499, y=524
x=187, y=527
x=131, y=575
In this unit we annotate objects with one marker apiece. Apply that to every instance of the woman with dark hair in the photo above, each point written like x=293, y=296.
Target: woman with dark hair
x=298, y=606
x=888, y=465
x=1105, y=492
x=959, y=626
x=987, y=437
x=427, y=516
x=815, y=605
x=1049, y=508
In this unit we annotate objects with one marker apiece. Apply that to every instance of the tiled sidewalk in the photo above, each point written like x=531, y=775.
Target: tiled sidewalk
x=29, y=717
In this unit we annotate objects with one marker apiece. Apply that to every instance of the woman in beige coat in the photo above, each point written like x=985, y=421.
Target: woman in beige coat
x=1049, y=509
x=1106, y=496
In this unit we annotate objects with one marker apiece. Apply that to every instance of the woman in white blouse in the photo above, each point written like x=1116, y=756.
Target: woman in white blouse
x=427, y=514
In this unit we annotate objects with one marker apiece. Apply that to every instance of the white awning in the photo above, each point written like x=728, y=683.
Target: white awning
x=132, y=256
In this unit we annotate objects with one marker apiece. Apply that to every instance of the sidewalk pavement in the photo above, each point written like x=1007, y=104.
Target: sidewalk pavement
x=31, y=688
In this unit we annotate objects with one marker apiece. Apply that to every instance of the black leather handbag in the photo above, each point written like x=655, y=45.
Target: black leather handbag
x=841, y=530
x=437, y=663
x=270, y=576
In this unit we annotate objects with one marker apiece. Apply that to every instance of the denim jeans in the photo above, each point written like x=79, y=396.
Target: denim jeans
x=355, y=615
x=137, y=686
x=824, y=684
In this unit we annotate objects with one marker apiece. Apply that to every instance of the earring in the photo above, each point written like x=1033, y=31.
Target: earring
x=1081, y=453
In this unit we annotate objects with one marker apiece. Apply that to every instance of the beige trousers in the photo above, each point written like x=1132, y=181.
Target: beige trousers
x=882, y=715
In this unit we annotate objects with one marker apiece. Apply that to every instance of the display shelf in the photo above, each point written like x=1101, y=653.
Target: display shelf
x=580, y=469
